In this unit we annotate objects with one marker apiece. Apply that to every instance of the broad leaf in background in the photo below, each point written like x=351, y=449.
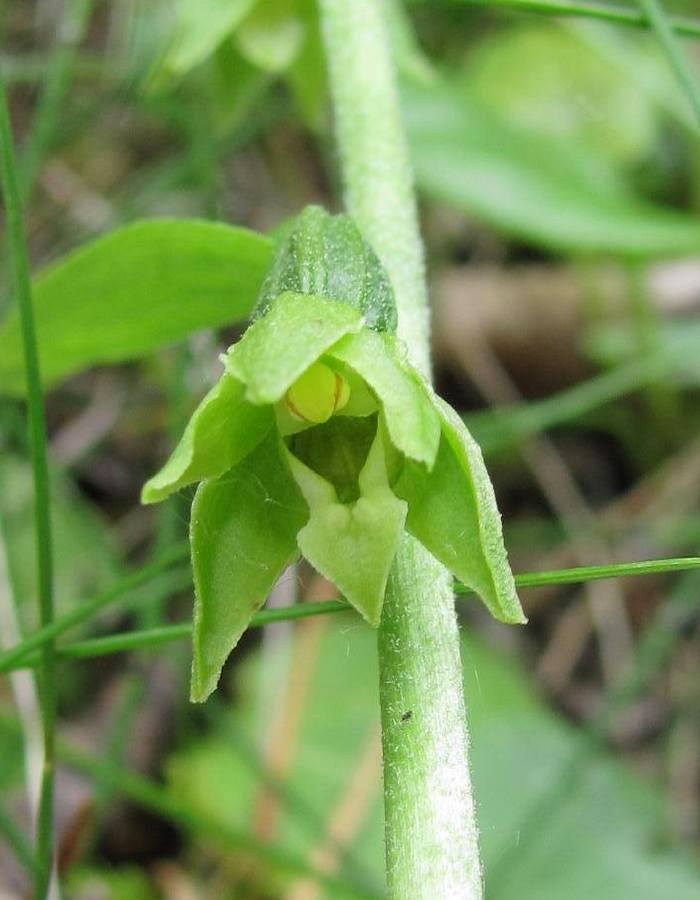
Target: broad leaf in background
x=546, y=78
x=539, y=189
x=133, y=290
x=599, y=839
x=85, y=557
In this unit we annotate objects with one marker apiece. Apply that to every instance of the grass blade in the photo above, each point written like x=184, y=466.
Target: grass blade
x=87, y=610
x=19, y=264
x=153, y=637
x=615, y=13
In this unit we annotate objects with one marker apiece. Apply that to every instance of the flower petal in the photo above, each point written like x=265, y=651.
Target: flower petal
x=277, y=348
x=243, y=534
x=411, y=420
x=353, y=544
x=452, y=511
x=223, y=429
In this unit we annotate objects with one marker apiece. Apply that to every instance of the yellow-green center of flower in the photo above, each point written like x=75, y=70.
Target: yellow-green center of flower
x=317, y=394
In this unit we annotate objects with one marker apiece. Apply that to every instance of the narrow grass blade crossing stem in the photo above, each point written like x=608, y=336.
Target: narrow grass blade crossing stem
x=10, y=658
x=42, y=512
x=615, y=13
x=21, y=656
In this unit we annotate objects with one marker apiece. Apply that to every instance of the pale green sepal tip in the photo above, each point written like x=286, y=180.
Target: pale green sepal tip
x=277, y=348
x=503, y=602
x=411, y=419
x=353, y=544
x=453, y=513
x=222, y=430
x=243, y=532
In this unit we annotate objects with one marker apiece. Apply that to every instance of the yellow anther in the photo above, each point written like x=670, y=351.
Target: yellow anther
x=317, y=394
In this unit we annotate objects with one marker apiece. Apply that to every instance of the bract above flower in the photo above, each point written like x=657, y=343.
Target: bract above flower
x=321, y=439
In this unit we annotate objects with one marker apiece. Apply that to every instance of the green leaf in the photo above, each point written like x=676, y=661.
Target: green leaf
x=142, y=286
x=277, y=348
x=452, y=511
x=353, y=544
x=542, y=190
x=198, y=28
x=223, y=429
x=411, y=420
x=530, y=74
x=243, y=534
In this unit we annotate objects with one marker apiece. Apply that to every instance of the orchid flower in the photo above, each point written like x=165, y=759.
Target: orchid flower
x=321, y=440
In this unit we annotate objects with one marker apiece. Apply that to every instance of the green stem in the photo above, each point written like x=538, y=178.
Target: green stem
x=431, y=834
x=42, y=518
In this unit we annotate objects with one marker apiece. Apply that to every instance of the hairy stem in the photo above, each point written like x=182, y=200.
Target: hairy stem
x=431, y=834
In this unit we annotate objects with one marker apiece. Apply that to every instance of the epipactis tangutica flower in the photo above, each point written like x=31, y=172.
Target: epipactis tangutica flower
x=321, y=439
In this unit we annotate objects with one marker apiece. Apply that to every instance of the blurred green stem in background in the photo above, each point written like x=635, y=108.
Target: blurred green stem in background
x=431, y=833
x=19, y=265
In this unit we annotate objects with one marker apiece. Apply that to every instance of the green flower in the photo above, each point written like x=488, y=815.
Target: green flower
x=320, y=439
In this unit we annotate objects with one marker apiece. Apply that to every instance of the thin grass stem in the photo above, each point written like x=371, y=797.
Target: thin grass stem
x=617, y=14
x=153, y=637
x=19, y=262
x=87, y=610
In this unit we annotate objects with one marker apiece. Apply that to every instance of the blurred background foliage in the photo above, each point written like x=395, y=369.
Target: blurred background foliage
x=558, y=167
